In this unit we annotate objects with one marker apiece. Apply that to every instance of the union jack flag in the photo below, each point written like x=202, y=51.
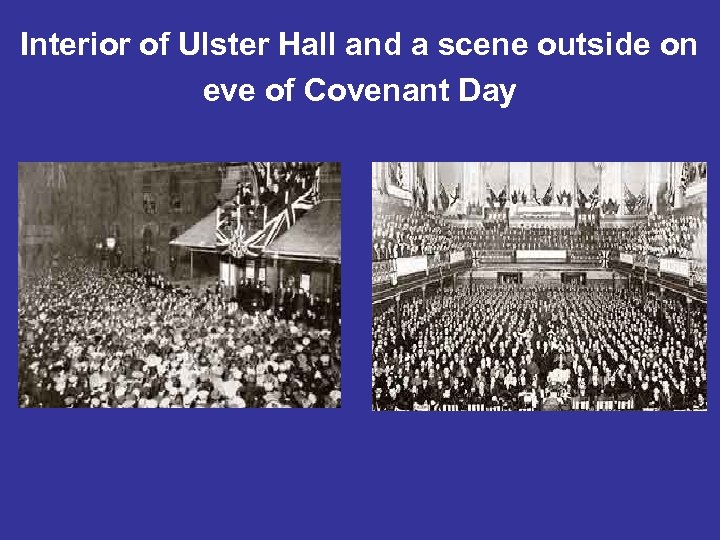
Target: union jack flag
x=604, y=258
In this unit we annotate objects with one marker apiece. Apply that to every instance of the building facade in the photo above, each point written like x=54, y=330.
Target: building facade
x=77, y=207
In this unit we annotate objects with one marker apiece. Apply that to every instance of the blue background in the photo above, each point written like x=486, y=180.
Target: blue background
x=353, y=473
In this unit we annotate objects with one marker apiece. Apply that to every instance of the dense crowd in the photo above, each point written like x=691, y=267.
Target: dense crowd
x=669, y=236
x=287, y=302
x=409, y=233
x=94, y=337
x=493, y=347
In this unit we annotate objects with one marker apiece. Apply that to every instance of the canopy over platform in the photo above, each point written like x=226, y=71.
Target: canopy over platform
x=315, y=236
x=200, y=236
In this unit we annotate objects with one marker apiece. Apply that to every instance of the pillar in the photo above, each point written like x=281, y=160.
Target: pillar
x=612, y=184
x=397, y=313
x=470, y=186
x=409, y=173
x=652, y=186
x=563, y=176
x=674, y=182
x=432, y=175
x=520, y=178
x=376, y=174
x=482, y=166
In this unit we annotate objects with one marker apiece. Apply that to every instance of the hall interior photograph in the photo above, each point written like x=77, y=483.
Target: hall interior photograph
x=179, y=285
x=539, y=286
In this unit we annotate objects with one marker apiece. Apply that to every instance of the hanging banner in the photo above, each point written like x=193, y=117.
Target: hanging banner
x=679, y=267
x=558, y=255
x=411, y=265
x=457, y=256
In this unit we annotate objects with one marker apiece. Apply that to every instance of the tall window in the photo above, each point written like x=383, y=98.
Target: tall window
x=149, y=203
x=175, y=200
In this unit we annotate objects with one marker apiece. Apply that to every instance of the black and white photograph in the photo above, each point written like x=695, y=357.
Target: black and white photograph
x=179, y=285
x=539, y=286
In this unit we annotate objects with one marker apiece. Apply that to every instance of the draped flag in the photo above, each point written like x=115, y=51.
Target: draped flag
x=444, y=199
x=423, y=194
x=604, y=257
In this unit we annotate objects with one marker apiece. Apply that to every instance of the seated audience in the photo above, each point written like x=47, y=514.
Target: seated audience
x=505, y=347
x=407, y=233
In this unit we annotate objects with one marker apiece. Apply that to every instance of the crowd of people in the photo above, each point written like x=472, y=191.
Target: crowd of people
x=510, y=347
x=287, y=301
x=90, y=336
x=407, y=233
x=669, y=236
